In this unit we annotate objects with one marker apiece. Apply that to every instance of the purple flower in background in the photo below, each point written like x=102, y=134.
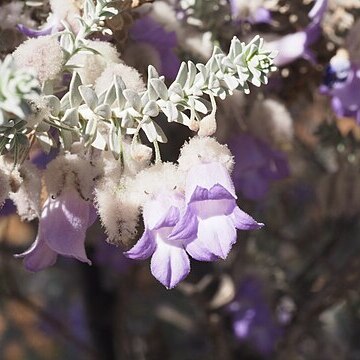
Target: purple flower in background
x=51, y=27
x=252, y=319
x=342, y=83
x=42, y=159
x=148, y=31
x=294, y=46
x=258, y=14
x=211, y=202
x=62, y=229
x=110, y=256
x=169, y=261
x=256, y=166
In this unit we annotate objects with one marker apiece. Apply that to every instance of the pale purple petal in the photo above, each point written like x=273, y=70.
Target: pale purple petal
x=337, y=106
x=216, y=234
x=318, y=10
x=198, y=250
x=39, y=256
x=169, y=264
x=206, y=176
x=36, y=33
x=92, y=215
x=261, y=16
x=156, y=211
x=144, y=247
x=64, y=222
x=243, y=221
x=186, y=227
x=170, y=219
x=290, y=48
x=217, y=192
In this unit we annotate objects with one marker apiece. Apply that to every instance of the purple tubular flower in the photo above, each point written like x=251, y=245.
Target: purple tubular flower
x=202, y=224
x=294, y=46
x=169, y=262
x=148, y=31
x=252, y=320
x=342, y=83
x=256, y=166
x=110, y=256
x=62, y=229
x=261, y=16
x=32, y=33
x=211, y=203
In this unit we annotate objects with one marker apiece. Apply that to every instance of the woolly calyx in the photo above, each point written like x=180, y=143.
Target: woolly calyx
x=118, y=209
x=27, y=197
x=204, y=150
x=75, y=171
x=131, y=77
x=155, y=179
x=43, y=54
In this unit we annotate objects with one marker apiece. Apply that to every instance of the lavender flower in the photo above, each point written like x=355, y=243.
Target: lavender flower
x=148, y=31
x=294, y=46
x=342, y=83
x=211, y=203
x=256, y=166
x=200, y=222
x=62, y=229
x=169, y=262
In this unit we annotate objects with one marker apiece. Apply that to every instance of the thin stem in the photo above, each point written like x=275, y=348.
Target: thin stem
x=157, y=152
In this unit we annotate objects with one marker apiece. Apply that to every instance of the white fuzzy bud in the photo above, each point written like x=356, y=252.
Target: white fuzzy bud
x=43, y=54
x=204, y=150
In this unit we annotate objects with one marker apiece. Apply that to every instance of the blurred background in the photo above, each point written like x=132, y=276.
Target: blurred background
x=287, y=291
